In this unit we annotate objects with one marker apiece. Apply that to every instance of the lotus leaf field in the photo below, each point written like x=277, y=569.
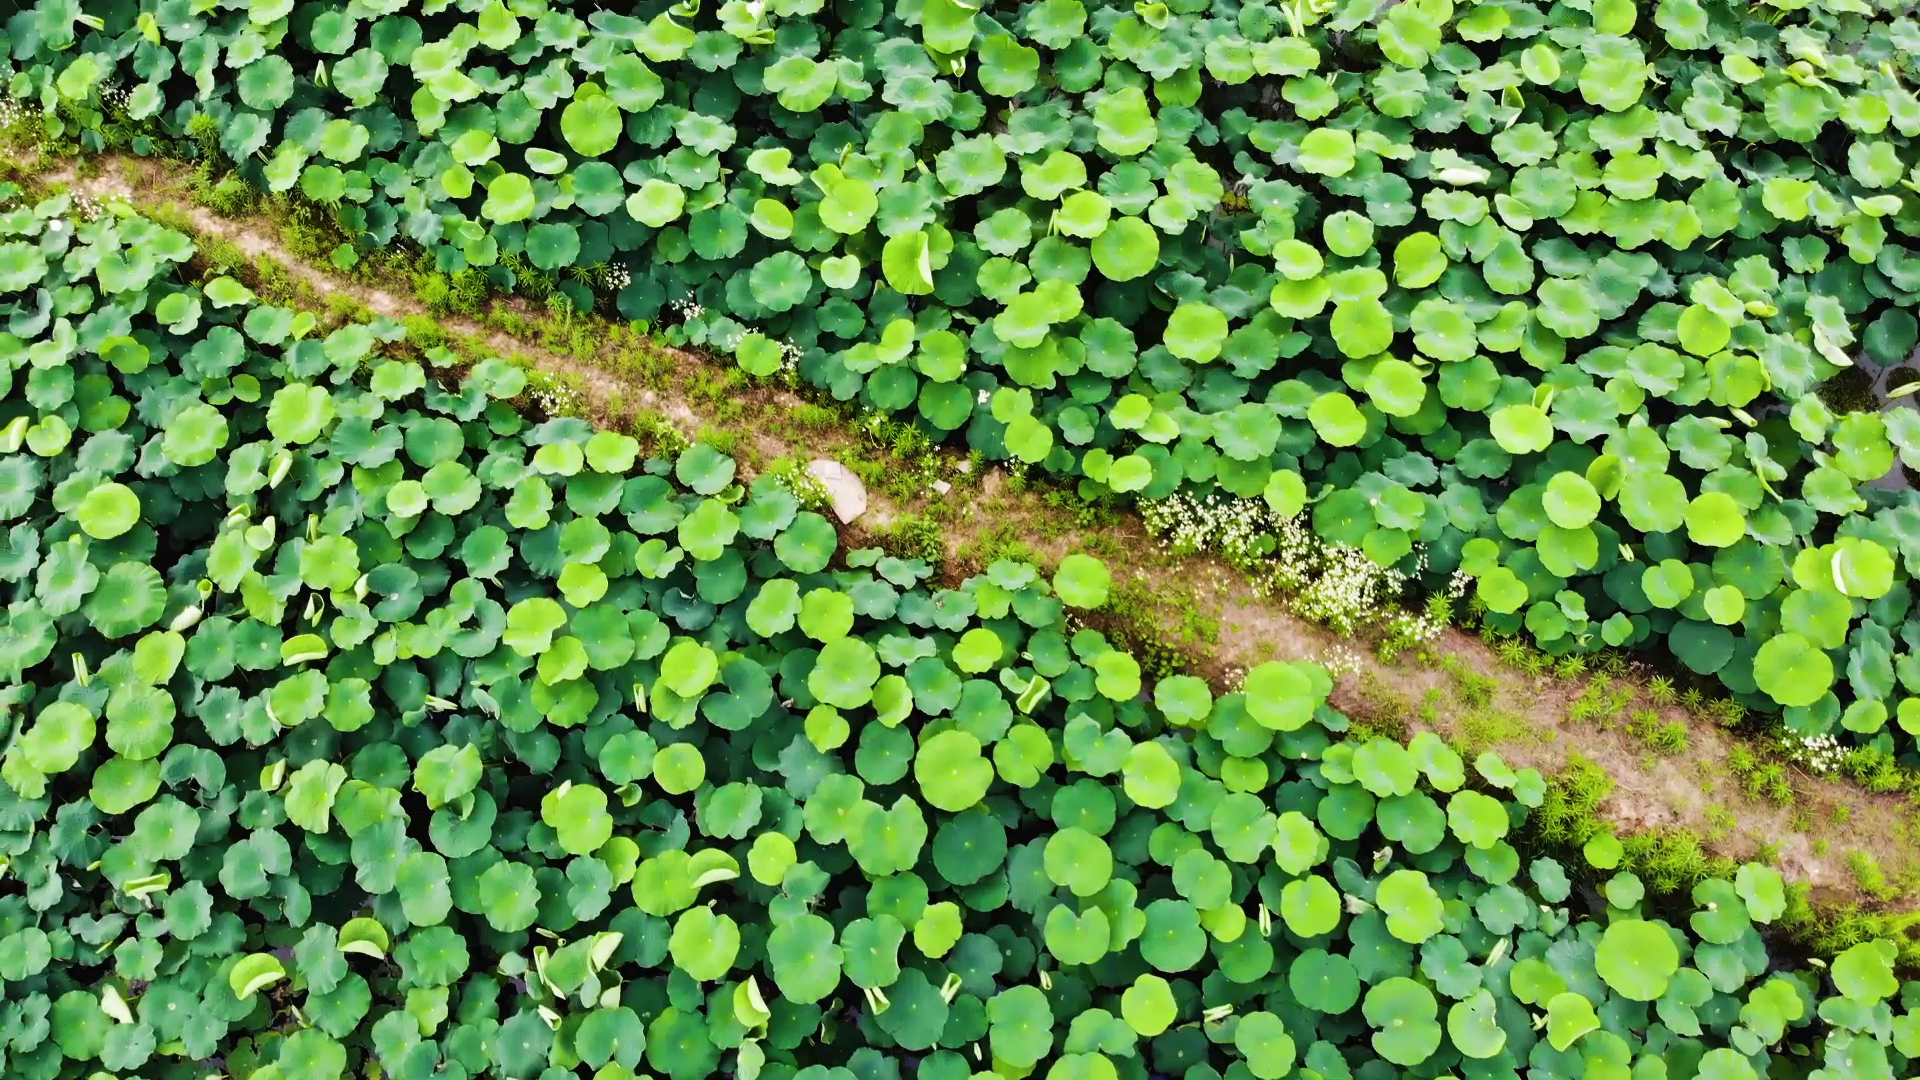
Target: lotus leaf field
x=363, y=726
x=359, y=719
x=1540, y=292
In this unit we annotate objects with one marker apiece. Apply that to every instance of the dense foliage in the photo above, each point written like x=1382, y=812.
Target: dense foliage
x=360, y=726
x=1543, y=290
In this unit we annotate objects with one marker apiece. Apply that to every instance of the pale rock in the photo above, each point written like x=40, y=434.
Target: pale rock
x=844, y=489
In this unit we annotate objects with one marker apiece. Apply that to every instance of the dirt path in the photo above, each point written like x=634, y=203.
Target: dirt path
x=1194, y=611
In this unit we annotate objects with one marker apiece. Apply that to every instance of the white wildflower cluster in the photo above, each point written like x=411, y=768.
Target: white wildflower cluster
x=1341, y=660
x=1457, y=584
x=556, y=398
x=1339, y=587
x=1406, y=630
x=1818, y=754
x=88, y=209
x=14, y=110
x=789, y=358
x=1238, y=530
x=804, y=486
x=687, y=308
x=619, y=276
x=115, y=98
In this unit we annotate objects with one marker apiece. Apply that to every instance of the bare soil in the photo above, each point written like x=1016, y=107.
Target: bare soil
x=1196, y=607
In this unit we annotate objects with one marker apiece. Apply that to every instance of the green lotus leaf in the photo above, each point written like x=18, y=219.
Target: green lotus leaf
x=510, y=198
x=1148, y=1005
x=1715, y=520
x=60, y=734
x=108, y=511
x=121, y=783
x=1124, y=123
x=679, y=768
x=803, y=958
x=591, y=125
x=299, y=413
x=253, y=973
x=1283, y=696
x=1521, y=429
x=704, y=944
x=1404, y=1016
x=951, y=772
x=1361, y=327
x=1327, y=151
x=1116, y=676
x=1196, y=332
x=129, y=598
x=1636, y=959
x=577, y=813
x=1396, y=387
x=1569, y=1016
x=1478, y=820
x=1337, y=420
x=1413, y=909
x=656, y=202
x=1864, y=972
x=1310, y=906
x=1791, y=670
x=1151, y=776
x=1079, y=861
x=1418, y=260
x=1472, y=1025
x=1262, y=1039
x=510, y=896
x=1082, y=581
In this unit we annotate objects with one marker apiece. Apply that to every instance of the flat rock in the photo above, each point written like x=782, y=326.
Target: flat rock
x=844, y=489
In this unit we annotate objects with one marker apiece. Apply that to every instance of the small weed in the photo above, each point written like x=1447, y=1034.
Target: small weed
x=1511, y=652
x=1660, y=689
x=999, y=542
x=725, y=440
x=912, y=536
x=1490, y=727
x=1475, y=689
x=1666, y=738
x=1162, y=626
x=227, y=195
x=1727, y=712
x=424, y=332
x=1670, y=860
x=1566, y=815
x=1720, y=823
x=1868, y=875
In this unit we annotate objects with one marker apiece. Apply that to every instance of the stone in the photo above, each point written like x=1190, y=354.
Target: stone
x=844, y=489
